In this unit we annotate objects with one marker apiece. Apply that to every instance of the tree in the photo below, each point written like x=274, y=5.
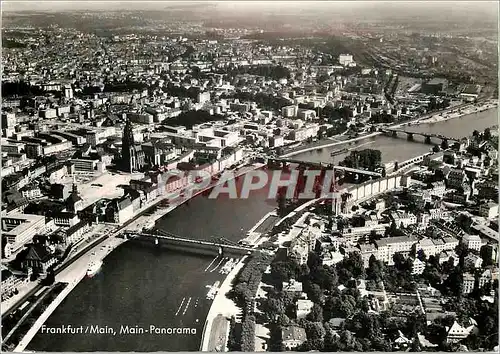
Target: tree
x=50, y=278
x=382, y=118
x=487, y=320
x=392, y=229
x=191, y=117
x=415, y=345
x=316, y=314
x=234, y=343
x=326, y=277
x=487, y=161
x=346, y=306
x=4, y=242
x=331, y=342
x=421, y=255
x=281, y=199
x=354, y=264
x=313, y=261
x=487, y=134
x=283, y=271
x=322, y=78
x=248, y=334
x=283, y=320
x=415, y=323
x=462, y=251
x=314, y=330
x=273, y=307
x=337, y=306
x=375, y=269
x=368, y=159
x=486, y=253
x=413, y=251
x=348, y=342
x=432, y=275
x=340, y=225
x=275, y=338
x=365, y=325
x=453, y=284
x=373, y=236
x=436, y=148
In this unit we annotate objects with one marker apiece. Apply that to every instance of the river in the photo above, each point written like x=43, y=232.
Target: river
x=399, y=149
x=139, y=285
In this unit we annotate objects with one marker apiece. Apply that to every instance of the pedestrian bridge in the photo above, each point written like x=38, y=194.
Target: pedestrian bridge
x=218, y=246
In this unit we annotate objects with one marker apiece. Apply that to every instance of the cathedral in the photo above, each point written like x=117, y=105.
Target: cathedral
x=132, y=156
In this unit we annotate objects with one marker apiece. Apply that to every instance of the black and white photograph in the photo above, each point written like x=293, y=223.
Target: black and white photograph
x=249, y=176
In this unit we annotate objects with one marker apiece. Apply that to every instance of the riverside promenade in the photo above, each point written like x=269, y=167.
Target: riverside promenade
x=221, y=306
x=322, y=145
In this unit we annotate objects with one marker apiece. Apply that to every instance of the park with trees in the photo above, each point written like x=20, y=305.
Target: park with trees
x=367, y=159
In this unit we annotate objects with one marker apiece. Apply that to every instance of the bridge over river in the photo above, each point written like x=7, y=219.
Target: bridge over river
x=325, y=165
x=163, y=239
x=409, y=134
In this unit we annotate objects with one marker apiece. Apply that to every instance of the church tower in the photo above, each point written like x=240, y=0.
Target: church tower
x=128, y=143
x=74, y=202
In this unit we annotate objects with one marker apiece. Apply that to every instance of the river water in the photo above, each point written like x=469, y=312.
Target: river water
x=143, y=286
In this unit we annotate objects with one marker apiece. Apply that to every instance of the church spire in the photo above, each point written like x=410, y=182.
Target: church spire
x=128, y=135
x=127, y=147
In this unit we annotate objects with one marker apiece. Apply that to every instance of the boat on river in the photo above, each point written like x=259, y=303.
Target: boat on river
x=93, y=268
x=213, y=290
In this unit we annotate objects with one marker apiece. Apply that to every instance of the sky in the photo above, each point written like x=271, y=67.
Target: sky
x=486, y=7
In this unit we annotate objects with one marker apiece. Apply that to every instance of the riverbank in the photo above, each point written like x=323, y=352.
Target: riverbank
x=443, y=117
x=329, y=144
x=72, y=275
x=260, y=228
x=44, y=316
x=222, y=306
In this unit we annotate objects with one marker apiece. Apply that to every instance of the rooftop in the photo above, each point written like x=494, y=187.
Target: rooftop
x=294, y=333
